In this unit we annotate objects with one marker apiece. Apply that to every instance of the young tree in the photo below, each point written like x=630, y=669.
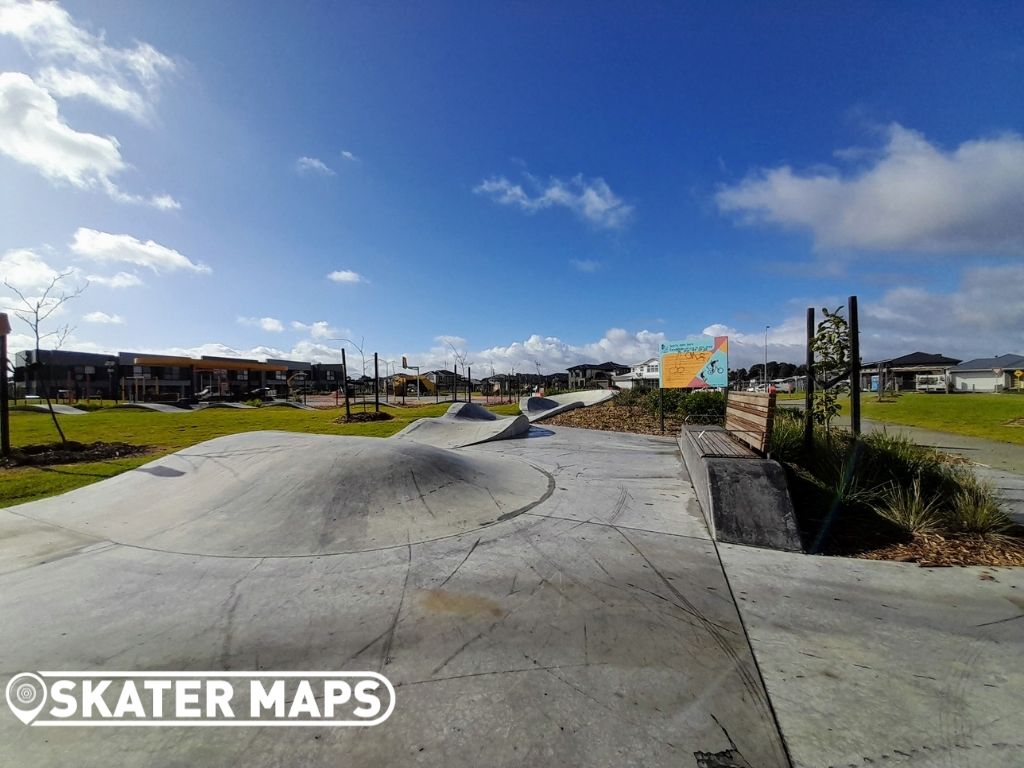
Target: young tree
x=36, y=310
x=831, y=346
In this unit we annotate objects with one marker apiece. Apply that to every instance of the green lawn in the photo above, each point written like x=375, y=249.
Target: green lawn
x=987, y=416
x=169, y=432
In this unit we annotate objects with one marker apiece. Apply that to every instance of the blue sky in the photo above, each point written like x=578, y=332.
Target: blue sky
x=525, y=183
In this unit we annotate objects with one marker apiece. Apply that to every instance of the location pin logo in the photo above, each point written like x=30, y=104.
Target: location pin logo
x=26, y=695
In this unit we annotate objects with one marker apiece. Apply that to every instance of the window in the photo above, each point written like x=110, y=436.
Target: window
x=330, y=375
x=280, y=375
x=242, y=376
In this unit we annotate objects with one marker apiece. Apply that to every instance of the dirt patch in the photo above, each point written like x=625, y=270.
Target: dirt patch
x=71, y=452
x=359, y=418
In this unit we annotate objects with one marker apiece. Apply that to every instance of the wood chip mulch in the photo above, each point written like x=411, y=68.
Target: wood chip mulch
x=931, y=550
x=610, y=417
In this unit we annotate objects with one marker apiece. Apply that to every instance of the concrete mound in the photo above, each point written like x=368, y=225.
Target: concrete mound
x=58, y=408
x=160, y=407
x=282, y=494
x=218, y=404
x=537, y=408
x=287, y=404
x=464, y=424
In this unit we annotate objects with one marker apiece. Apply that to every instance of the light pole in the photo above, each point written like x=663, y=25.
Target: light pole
x=5, y=417
x=766, y=357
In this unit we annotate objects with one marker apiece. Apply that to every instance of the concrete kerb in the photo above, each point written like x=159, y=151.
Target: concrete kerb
x=744, y=500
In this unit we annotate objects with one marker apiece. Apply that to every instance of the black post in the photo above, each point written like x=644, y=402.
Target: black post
x=661, y=407
x=851, y=311
x=5, y=417
x=809, y=390
x=376, y=385
x=344, y=383
x=469, y=385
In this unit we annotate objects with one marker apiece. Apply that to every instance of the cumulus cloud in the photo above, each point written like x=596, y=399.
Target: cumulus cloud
x=26, y=270
x=349, y=156
x=119, y=280
x=346, y=276
x=312, y=165
x=269, y=324
x=908, y=196
x=103, y=318
x=590, y=199
x=33, y=133
x=81, y=64
x=321, y=329
x=103, y=247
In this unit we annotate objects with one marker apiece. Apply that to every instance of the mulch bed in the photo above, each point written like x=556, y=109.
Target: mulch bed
x=71, y=452
x=863, y=535
x=610, y=417
x=359, y=418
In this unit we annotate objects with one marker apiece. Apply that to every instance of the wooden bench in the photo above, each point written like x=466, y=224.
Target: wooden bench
x=748, y=428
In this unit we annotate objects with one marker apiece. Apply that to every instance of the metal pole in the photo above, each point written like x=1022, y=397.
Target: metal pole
x=5, y=415
x=344, y=383
x=851, y=311
x=469, y=384
x=809, y=389
x=661, y=408
x=766, y=357
x=376, y=385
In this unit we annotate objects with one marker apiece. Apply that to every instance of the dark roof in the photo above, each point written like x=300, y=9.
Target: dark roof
x=609, y=366
x=921, y=358
x=988, y=363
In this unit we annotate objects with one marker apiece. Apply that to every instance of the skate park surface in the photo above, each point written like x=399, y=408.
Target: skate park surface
x=553, y=599
x=537, y=408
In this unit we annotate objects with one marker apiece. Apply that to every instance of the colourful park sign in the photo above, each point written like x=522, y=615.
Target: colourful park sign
x=695, y=364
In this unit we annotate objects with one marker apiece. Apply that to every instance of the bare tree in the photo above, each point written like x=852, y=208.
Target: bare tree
x=36, y=310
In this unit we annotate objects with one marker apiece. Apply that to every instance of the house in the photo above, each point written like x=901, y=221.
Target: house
x=594, y=375
x=900, y=374
x=988, y=374
x=645, y=374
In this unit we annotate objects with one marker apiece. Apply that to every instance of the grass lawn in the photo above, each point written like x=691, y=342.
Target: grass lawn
x=169, y=432
x=986, y=416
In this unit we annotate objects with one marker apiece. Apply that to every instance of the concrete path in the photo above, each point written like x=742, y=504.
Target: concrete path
x=59, y=408
x=872, y=663
x=595, y=628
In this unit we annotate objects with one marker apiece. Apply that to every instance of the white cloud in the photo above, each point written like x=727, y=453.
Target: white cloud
x=312, y=165
x=321, y=329
x=103, y=318
x=104, y=247
x=26, y=270
x=910, y=196
x=346, y=276
x=104, y=90
x=83, y=64
x=590, y=199
x=33, y=133
x=586, y=265
x=120, y=280
x=269, y=324
x=349, y=156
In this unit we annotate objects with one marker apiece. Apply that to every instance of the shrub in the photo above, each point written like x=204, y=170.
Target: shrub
x=910, y=508
x=787, y=443
x=975, y=509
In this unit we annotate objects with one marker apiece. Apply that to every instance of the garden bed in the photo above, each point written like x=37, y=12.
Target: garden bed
x=71, y=452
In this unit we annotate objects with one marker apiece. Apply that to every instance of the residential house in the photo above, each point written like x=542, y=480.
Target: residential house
x=645, y=374
x=901, y=373
x=594, y=374
x=988, y=374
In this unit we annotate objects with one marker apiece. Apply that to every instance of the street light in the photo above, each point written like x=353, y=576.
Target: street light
x=766, y=357
x=5, y=416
